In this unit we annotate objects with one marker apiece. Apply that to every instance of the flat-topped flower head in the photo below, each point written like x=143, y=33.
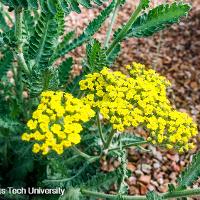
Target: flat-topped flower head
x=139, y=99
x=56, y=124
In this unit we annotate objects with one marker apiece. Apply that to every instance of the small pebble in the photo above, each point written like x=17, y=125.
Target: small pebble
x=132, y=180
x=160, y=181
x=138, y=172
x=145, y=179
x=146, y=168
x=156, y=165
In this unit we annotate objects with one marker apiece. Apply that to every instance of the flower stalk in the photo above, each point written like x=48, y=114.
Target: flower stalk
x=100, y=129
x=82, y=154
x=18, y=35
x=129, y=145
x=126, y=28
x=110, y=137
x=112, y=22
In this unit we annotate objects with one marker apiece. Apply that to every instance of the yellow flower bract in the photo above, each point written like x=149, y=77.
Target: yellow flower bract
x=56, y=123
x=139, y=100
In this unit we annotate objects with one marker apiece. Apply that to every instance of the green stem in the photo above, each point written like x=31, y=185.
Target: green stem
x=18, y=36
x=18, y=25
x=129, y=145
x=100, y=129
x=171, y=195
x=108, y=35
x=84, y=155
x=182, y=193
x=22, y=63
x=110, y=137
x=110, y=196
x=19, y=90
x=125, y=29
x=123, y=169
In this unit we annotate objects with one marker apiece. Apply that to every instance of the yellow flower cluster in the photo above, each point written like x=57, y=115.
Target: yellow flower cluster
x=56, y=123
x=139, y=100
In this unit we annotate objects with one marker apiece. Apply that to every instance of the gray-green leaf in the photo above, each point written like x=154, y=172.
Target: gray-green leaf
x=191, y=173
x=158, y=19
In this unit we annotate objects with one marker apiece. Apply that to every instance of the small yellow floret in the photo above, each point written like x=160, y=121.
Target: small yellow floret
x=36, y=148
x=56, y=123
x=139, y=99
x=32, y=124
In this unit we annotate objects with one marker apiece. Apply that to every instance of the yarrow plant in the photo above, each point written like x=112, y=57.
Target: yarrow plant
x=57, y=122
x=139, y=100
x=58, y=130
x=124, y=101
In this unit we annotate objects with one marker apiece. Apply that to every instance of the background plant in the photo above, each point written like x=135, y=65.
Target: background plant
x=30, y=47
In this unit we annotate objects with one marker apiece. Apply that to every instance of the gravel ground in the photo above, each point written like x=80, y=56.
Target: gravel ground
x=174, y=53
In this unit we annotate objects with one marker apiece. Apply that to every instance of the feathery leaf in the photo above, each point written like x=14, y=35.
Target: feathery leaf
x=191, y=173
x=64, y=70
x=50, y=6
x=158, y=19
x=5, y=62
x=96, y=56
x=91, y=29
x=43, y=40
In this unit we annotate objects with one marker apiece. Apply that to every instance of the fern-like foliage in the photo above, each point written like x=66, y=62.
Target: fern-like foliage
x=64, y=70
x=28, y=28
x=9, y=124
x=96, y=56
x=29, y=23
x=191, y=173
x=69, y=5
x=127, y=138
x=60, y=18
x=5, y=62
x=74, y=175
x=144, y=3
x=52, y=5
x=43, y=80
x=23, y=3
x=158, y=19
x=43, y=40
x=64, y=42
x=91, y=29
x=102, y=181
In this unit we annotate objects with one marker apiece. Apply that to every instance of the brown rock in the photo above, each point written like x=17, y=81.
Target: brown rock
x=175, y=167
x=133, y=190
x=143, y=189
x=145, y=179
x=163, y=188
x=132, y=180
x=131, y=166
x=194, y=85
